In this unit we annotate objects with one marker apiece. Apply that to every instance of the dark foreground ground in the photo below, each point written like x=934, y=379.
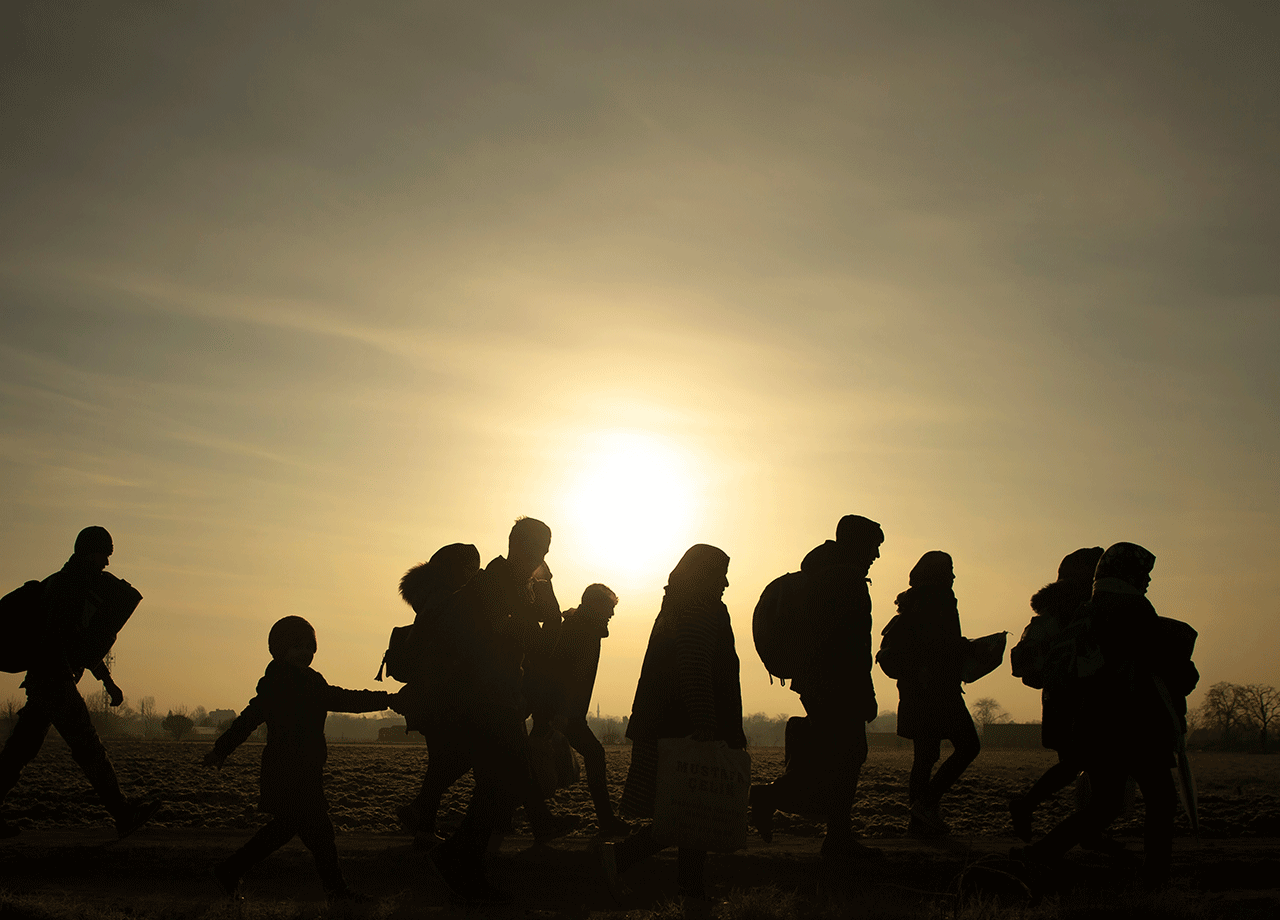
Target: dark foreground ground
x=66, y=863
x=165, y=873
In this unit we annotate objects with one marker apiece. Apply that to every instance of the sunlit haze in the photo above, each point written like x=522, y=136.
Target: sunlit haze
x=292, y=294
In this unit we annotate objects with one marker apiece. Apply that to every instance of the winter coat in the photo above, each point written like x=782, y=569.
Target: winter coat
x=930, y=699
x=689, y=680
x=840, y=614
x=1059, y=601
x=574, y=663
x=1120, y=714
x=294, y=702
x=61, y=656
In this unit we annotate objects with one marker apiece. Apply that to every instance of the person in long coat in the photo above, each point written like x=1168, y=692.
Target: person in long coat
x=930, y=699
x=689, y=686
x=1057, y=601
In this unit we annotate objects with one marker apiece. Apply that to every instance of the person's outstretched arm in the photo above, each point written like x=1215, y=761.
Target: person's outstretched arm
x=237, y=732
x=337, y=699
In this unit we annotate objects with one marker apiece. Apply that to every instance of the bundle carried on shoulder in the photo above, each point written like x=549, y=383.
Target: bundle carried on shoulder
x=782, y=628
x=1029, y=658
x=21, y=618
x=895, y=652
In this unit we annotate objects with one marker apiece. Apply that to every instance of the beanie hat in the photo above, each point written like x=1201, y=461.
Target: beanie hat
x=856, y=529
x=288, y=632
x=94, y=540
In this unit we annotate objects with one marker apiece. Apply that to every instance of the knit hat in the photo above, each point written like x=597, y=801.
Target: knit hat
x=1126, y=561
x=288, y=632
x=94, y=540
x=854, y=529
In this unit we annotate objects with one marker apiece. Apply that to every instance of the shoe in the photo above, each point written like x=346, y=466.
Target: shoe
x=929, y=819
x=1020, y=815
x=410, y=819
x=135, y=815
x=227, y=880
x=560, y=826
x=614, y=827
x=609, y=867
x=848, y=848
x=761, y=816
x=8, y=830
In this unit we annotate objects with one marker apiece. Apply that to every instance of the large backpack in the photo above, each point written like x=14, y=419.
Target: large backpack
x=781, y=627
x=1029, y=659
x=893, y=653
x=21, y=617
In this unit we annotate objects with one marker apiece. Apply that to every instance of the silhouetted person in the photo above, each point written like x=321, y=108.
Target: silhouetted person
x=571, y=670
x=689, y=686
x=426, y=698
x=60, y=660
x=1054, y=605
x=930, y=699
x=491, y=624
x=293, y=700
x=837, y=692
x=1130, y=712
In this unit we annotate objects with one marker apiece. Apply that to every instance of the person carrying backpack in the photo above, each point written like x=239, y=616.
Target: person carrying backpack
x=1054, y=605
x=927, y=651
x=1130, y=711
x=835, y=687
x=64, y=648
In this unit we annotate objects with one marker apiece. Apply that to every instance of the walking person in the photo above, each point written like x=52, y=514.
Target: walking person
x=71, y=606
x=1141, y=682
x=571, y=670
x=928, y=651
x=293, y=700
x=689, y=686
x=835, y=689
x=1055, y=604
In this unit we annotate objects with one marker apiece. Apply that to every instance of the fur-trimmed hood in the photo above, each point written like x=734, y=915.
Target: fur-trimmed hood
x=1061, y=599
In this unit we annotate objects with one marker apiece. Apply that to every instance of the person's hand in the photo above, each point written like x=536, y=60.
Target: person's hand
x=396, y=701
x=113, y=691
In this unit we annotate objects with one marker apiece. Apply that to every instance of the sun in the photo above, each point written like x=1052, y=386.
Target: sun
x=632, y=502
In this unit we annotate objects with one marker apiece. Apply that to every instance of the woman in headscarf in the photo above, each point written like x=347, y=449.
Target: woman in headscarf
x=1129, y=712
x=688, y=685
x=930, y=701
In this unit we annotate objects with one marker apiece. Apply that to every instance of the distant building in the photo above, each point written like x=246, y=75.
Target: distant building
x=396, y=734
x=1012, y=735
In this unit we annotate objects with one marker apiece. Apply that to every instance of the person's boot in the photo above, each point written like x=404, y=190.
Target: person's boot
x=760, y=799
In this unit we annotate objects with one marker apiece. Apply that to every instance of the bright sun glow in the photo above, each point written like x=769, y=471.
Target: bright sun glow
x=632, y=503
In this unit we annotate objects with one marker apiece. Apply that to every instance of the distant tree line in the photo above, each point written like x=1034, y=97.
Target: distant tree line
x=1235, y=717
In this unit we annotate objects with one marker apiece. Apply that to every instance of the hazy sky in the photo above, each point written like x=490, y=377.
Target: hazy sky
x=291, y=294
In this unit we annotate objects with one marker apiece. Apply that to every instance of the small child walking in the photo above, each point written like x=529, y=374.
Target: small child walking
x=293, y=699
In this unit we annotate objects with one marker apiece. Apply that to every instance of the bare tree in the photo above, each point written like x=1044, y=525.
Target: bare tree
x=1260, y=703
x=1224, y=711
x=147, y=713
x=176, y=724
x=987, y=711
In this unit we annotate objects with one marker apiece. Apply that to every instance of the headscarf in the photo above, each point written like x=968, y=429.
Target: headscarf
x=700, y=573
x=1080, y=565
x=933, y=570
x=1128, y=562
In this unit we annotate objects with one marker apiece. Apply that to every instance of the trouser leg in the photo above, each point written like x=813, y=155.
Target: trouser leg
x=636, y=848
x=966, y=747
x=584, y=741
x=691, y=872
x=24, y=742
x=1054, y=779
x=851, y=754
x=269, y=838
x=316, y=832
x=499, y=766
x=447, y=762
x=1105, y=804
x=927, y=752
x=73, y=723
x=1159, y=805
